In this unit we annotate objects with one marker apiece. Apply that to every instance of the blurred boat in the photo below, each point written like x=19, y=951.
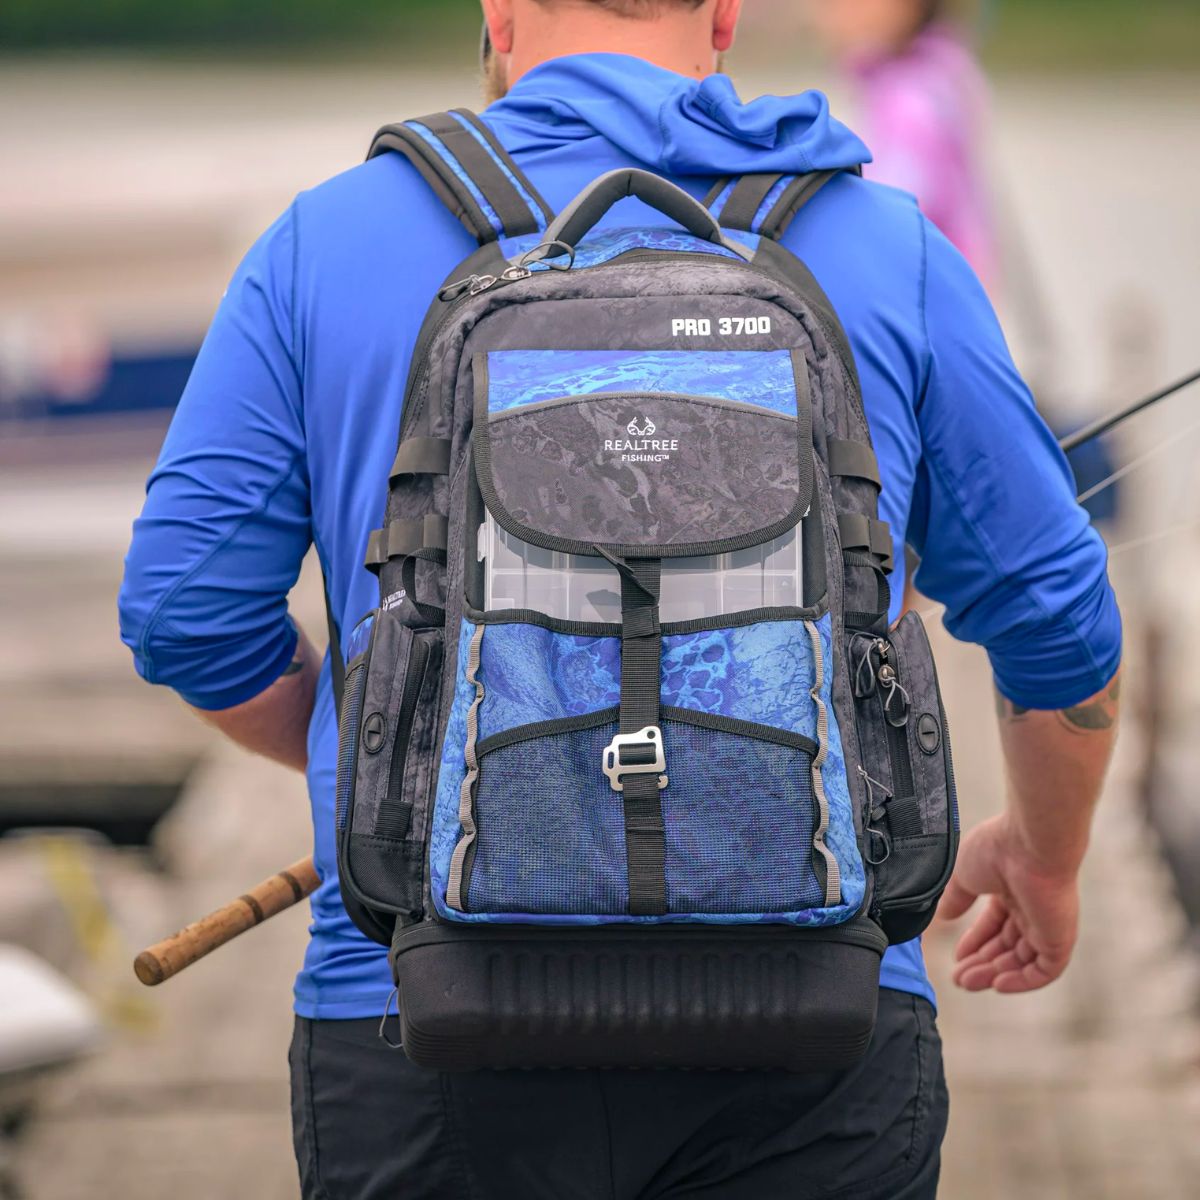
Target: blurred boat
x=46, y=1024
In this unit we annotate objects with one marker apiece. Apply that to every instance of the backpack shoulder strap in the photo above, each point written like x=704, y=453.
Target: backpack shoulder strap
x=766, y=203
x=472, y=174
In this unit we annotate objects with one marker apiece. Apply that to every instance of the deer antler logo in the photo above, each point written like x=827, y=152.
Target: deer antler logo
x=645, y=428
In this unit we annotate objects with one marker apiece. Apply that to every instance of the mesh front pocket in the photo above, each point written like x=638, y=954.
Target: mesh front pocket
x=739, y=813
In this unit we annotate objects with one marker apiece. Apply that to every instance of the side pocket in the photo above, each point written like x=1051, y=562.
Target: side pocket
x=912, y=829
x=389, y=723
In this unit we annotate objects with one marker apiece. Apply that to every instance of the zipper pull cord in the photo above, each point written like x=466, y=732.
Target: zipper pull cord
x=877, y=813
x=864, y=671
x=890, y=680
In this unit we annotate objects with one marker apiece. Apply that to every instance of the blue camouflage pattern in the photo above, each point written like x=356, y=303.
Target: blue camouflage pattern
x=601, y=246
x=762, y=378
x=531, y=674
x=762, y=673
x=730, y=845
x=444, y=827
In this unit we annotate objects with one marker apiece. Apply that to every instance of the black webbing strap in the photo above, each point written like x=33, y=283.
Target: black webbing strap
x=641, y=659
x=404, y=537
x=337, y=664
x=468, y=171
x=421, y=456
x=859, y=532
x=542, y=212
x=746, y=199
x=874, y=617
x=852, y=460
x=743, y=207
x=904, y=817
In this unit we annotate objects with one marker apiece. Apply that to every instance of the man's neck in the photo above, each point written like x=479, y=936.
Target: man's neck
x=678, y=43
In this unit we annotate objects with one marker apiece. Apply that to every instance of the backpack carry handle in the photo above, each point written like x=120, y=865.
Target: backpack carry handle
x=573, y=223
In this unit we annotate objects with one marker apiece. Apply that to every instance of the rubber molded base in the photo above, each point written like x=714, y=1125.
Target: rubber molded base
x=751, y=997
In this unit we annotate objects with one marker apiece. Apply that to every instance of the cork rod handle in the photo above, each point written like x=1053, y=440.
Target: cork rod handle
x=170, y=956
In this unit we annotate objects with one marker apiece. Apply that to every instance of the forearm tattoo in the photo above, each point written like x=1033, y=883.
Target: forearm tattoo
x=295, y=666
x=1095, y=716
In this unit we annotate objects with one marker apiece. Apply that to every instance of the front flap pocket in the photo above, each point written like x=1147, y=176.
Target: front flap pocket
x=662, y=453
x=551, y=832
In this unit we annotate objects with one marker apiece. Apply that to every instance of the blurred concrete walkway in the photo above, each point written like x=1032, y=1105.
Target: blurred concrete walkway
x=1090, y=1088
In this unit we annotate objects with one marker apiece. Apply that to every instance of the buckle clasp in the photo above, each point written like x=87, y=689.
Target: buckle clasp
x=638, y=753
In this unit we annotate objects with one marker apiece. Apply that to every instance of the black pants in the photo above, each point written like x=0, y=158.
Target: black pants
x=370, y=1126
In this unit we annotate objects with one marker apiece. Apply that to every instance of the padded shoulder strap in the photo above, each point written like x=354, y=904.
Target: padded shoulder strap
x=472, y=174
x=766, y=203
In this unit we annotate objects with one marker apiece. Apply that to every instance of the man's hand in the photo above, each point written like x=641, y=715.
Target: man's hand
x=1024, y=937
x=1026, y=861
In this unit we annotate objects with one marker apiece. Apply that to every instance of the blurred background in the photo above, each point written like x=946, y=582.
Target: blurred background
x=143, y=146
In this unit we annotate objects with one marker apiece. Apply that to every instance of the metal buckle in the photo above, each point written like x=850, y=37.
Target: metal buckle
x=638, y=753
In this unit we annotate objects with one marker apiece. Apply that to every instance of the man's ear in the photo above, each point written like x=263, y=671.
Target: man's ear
x=499, y=17
x=725, y=19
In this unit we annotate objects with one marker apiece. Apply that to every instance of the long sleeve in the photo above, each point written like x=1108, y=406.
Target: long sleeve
x=1003, y=543
x=226, y=521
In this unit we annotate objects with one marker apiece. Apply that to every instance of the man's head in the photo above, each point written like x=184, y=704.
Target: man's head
x=688, y=36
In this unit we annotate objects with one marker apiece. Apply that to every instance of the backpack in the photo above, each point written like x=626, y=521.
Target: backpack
x=632, y=771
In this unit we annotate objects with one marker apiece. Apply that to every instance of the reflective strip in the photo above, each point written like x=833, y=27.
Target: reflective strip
x=439, y=147
x=466, y=797
x=833, y=873
x=770, y=200
x=536, y=208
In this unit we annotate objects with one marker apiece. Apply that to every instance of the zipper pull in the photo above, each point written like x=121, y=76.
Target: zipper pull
x=895, y=702
x=864, y=668
x=878, y=847
x=472, y=285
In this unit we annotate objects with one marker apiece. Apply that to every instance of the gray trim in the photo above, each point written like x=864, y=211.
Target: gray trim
x=455, y=896
x=734, y=620
x=833, y=874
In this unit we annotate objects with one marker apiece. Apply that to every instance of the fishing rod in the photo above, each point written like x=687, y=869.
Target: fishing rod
x=1104, y=424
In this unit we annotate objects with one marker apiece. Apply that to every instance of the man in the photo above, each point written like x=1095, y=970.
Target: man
x=285, y=436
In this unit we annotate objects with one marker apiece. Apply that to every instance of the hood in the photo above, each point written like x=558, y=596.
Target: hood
x=680, y=125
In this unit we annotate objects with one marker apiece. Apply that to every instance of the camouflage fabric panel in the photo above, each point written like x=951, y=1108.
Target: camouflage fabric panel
x=762, y=377
x=606, y=244
x=644, y=470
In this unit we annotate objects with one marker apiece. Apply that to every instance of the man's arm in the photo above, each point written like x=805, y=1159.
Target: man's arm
x=275, y=722
x=1026, y=860
x=1021, y=571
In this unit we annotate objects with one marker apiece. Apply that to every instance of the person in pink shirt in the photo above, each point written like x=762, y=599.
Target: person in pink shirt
x=924, y=110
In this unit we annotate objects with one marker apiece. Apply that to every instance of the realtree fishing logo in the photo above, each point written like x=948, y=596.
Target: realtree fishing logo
x=641, y=445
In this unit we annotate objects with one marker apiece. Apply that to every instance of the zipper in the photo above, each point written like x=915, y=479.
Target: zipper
x=475, y=284
x=894, y=702
x=414, y=679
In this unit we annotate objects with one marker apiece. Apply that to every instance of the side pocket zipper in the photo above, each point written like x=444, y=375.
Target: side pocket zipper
x=399, y=813
x=894, y=702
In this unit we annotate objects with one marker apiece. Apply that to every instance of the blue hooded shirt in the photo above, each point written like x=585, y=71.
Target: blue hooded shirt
x=287, y=428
